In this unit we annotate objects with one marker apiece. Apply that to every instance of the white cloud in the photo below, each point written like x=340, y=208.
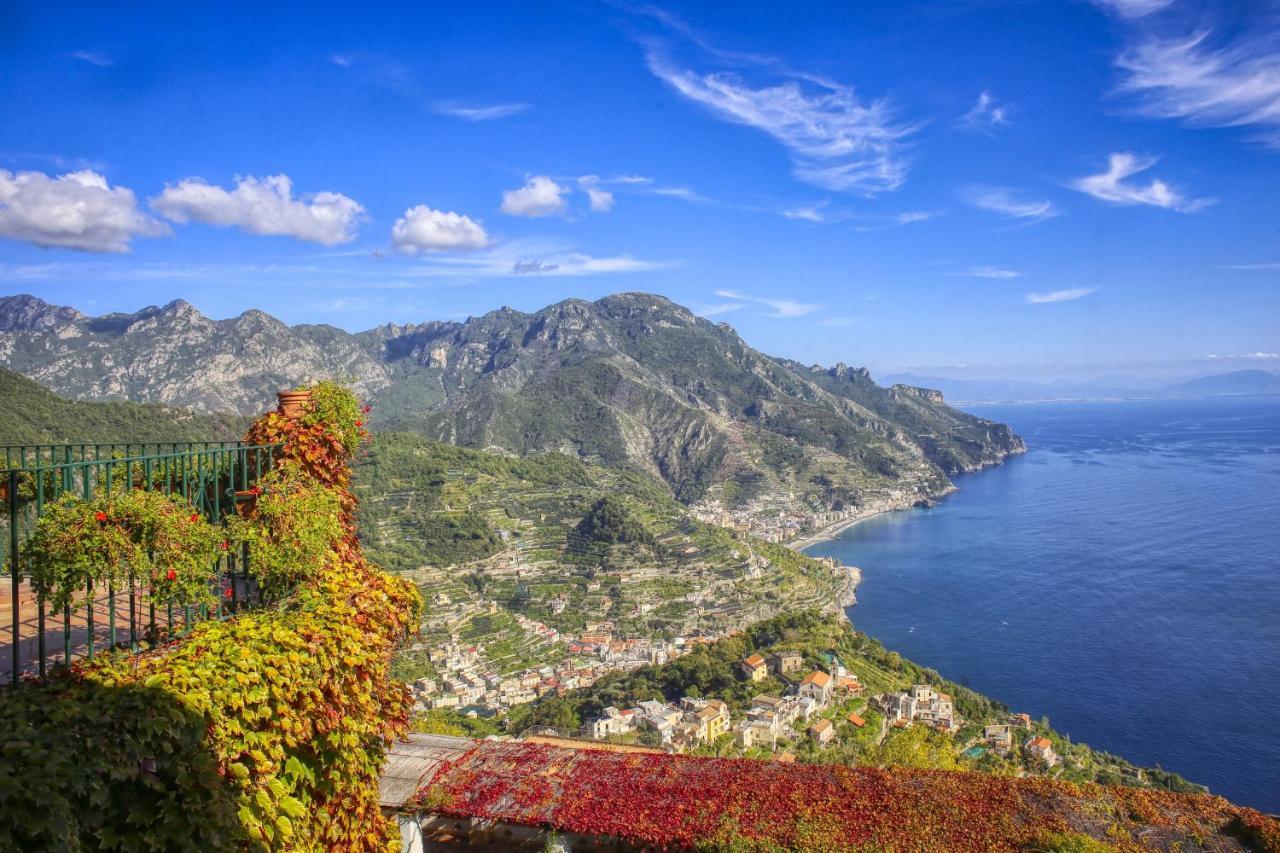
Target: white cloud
x=717, y=309
x=263, y=206
x=985, y=114
x=988, y=272
x=1133, y=8
x=94, y=57
x=1110, y=186
x=472, y=112
x=1248, y=356
x=912, y=216
x=1059, y=295
x=540, y=196
x=78, y=210
x=525, y=257
x=782, y=308
x=423, y=229
x=835, y=140
x=1236, y=84
x=809, y=214
x=682, y=193
x=1008, y=203
x=601, y=200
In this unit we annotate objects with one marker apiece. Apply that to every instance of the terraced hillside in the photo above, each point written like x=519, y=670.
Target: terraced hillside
x=548, y=539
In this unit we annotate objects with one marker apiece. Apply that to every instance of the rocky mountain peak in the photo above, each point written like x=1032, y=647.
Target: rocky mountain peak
x=24, y=313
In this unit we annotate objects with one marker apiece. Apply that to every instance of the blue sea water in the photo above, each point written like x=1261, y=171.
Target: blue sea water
x=1122, y=578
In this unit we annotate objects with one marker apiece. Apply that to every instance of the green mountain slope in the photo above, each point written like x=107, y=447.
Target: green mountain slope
x=635, y=379
x=30, y=414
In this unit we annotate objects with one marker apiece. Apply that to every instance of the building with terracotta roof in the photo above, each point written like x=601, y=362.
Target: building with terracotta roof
x=1041, y=748
x=754, y=667
x=856, y=720
x=817, y=686
x=822, y=732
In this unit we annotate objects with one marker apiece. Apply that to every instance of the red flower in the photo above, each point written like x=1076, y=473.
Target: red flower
x=256, y=490
x=227, y=593
x=367, y=409
x=171, y=575
x=100, y=515
x=195, y=517
x=359, y=423
x=225, y=546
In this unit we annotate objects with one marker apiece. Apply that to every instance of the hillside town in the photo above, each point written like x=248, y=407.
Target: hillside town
x=783, y=518
x=468, y=683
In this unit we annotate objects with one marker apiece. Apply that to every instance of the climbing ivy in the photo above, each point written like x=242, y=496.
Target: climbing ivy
x=266, y=731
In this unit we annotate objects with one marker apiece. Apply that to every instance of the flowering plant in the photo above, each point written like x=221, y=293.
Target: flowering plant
x=122, y=537
x=293, y=524
x=334, y=406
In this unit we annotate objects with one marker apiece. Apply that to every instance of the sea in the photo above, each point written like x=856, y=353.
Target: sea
x=1121, y=578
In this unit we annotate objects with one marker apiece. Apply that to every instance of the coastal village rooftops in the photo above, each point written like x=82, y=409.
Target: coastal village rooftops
x=1040, y=743
x=856, y=720
x=820, y=678
x=820, y=726
x=754, y=661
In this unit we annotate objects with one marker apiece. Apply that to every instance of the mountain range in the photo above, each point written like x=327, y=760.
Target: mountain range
x=630, y=380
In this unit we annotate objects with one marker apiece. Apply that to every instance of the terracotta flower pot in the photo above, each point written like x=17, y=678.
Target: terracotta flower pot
x=293, y=403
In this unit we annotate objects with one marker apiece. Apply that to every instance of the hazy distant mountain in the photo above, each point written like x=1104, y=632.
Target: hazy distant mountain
x=1240, y=382
x=631, y=379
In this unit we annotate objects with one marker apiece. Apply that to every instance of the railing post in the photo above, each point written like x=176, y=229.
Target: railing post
x=16, y=571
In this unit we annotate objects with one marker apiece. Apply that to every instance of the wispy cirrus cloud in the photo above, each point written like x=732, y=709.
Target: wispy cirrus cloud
x=1133, y=9
x=987, y=272
x=379, y=271
x=1058, y=295
x=1112, y=185
x=836, y=140
x=394, y=76
x=781, y=308
x=1008, y=203
x=986, y=114
x=717, y=309
x=809, y=213
x=1232, y=81
x=93, y=57
x=478, y=112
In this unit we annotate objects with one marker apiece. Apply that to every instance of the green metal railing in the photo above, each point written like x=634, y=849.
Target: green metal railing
x=213, y=476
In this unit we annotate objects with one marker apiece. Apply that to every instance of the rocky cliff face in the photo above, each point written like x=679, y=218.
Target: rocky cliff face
x=631, y=379
x=175, y=355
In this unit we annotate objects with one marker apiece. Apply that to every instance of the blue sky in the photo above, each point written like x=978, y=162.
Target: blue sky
x=1012, y=186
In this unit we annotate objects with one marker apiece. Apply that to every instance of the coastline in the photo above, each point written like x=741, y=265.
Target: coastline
x=831, y=531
